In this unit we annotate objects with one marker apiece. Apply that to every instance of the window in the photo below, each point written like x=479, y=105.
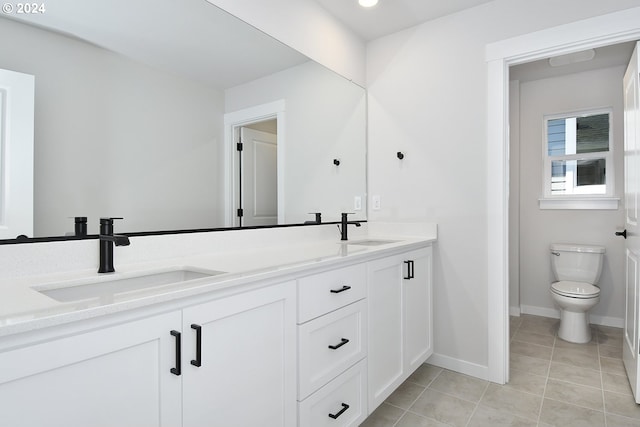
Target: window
x=578, y=160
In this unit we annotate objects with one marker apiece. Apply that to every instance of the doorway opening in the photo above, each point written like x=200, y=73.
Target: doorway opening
x=254, y=165
x=590, y=33
x=257, y=178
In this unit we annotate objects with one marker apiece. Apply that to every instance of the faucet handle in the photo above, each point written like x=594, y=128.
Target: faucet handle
x=110, y=219
x=318, y=216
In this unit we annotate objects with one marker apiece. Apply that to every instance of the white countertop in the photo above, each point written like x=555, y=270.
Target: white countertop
x=23, y=308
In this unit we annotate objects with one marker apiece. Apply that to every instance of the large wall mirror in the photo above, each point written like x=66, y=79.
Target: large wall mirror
x=141, y=107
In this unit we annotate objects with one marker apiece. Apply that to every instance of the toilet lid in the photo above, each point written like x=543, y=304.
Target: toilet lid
x=575, y=289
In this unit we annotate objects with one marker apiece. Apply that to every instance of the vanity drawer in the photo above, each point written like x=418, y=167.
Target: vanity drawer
x=325, y=292
x=344, y=398
x=330, y=344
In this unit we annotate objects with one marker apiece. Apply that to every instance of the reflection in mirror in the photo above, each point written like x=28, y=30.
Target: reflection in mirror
x=136, y=116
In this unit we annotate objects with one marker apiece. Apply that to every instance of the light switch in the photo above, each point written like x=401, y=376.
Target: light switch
x=357, y=203
x=376, y=202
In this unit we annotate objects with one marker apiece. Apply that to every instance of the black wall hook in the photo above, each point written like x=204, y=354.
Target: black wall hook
x=400, y=155
x=336, y=162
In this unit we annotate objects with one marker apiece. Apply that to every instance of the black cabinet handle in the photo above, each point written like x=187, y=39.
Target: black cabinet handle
x=198, y=360
x=340, y=412
x=177, y=370
x=342, y=289
x=343, y=341
x=410, y=271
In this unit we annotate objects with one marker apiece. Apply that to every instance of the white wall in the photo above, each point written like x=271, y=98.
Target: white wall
x=307, y=27
x=116, y=138
x=539, y=228
x=428, y=98
x=325, y=117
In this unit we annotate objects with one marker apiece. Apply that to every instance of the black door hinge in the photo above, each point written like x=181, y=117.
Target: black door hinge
x=240, y=212
x=239, y=146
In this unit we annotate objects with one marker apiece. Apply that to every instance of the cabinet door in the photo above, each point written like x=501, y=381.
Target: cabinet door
x=115, y=376
x=385, y=306
x=418, y=331
x=247, y=360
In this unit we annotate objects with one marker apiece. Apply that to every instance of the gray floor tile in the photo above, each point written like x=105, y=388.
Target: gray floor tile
x=484, y=417
x=574, y=394
x=511, y=401
x=531, y=350
x=617, y=383
x=425, y=374
x=459, y=385
x=553, y=383
x=529, y=364
x=412, y=420
x=526, y=381
x=562, y=414
x=444, y=408
x=569, y=373
x=404, y=396
x=384, y=416
x=621, y=404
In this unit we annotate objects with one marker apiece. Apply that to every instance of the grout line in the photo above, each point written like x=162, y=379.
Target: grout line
x=486, y=387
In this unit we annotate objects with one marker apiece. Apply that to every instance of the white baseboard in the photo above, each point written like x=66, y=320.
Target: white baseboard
x=461, y=366
x=540, y=311
x=616, y=322
x=514, y=311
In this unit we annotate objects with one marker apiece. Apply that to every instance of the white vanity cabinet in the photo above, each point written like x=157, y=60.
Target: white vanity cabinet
x=243, y=374
x=112, y=376
x=143, y=373
x=332, y=319
x=400, y=320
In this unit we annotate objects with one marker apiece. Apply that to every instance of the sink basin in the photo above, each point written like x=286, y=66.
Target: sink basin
x=107, y=287
x=371, y=242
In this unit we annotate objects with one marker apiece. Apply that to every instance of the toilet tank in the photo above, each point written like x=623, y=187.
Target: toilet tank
x=578, y=263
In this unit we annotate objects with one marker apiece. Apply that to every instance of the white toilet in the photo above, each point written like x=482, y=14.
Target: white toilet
x=577, y=269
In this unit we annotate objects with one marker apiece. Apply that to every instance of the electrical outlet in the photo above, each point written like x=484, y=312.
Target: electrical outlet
x=376, y=202
x=357, y=203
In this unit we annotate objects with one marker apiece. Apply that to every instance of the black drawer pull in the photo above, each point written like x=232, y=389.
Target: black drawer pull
x=410, y=272
x=198, y=360
x=340, y=412
x=343, y=341
x=177, y=370
x=337, y=291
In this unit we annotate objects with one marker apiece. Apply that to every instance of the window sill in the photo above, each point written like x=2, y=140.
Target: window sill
x=603, y=203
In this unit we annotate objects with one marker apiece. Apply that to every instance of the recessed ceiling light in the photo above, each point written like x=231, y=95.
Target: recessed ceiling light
x=368, y=3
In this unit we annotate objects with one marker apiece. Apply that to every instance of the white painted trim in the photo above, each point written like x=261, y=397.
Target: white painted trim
x=16, y=154
x=514, y=311
x=245, y=116
x=458, y=365
x=498, y=222
x=603, y=203
x=594, y=319
x=602, y=30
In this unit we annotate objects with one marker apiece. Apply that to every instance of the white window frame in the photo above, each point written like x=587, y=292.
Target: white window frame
x=579, y=200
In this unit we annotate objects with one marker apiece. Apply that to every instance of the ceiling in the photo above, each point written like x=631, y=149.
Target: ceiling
x=389, y=16
x=207, y=44
x=605, y=57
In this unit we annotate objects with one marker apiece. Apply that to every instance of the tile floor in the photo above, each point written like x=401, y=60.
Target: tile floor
x=544, y=389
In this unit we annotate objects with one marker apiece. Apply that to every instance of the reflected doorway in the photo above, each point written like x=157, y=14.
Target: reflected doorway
x=257, y=159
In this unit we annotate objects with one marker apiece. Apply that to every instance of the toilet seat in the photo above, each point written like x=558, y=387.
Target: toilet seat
x=572, y=289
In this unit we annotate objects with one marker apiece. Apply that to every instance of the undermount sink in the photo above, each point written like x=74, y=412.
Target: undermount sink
x=97, y=287
x=372, y=242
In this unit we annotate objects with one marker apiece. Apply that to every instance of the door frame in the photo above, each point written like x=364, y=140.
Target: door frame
x=232, y=122
x=617, y=27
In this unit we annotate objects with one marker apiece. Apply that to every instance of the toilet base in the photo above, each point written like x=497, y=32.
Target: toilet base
x=574, y=327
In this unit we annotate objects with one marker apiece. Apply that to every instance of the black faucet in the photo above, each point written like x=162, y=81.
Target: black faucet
x=107, y=240
x=344, y=224
x=318, y=219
